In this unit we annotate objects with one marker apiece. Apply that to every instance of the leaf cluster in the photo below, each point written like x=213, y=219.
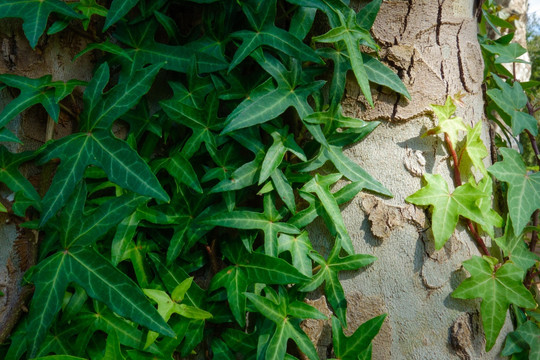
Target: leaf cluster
x=502, y=277
x=189, y=234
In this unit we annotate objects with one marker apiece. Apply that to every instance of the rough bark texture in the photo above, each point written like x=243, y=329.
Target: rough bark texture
x=52, y=56
x=432, y=45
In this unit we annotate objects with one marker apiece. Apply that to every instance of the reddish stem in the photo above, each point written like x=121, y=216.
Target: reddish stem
x=457, y=182
x=457, y=174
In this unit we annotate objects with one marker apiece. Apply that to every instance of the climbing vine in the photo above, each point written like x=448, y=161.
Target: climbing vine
x=503, y=277
x=188, y=235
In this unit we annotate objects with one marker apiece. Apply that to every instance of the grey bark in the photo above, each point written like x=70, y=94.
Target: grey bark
x=432, y=46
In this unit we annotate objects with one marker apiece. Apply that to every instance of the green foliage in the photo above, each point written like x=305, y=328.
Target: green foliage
x=234, y=143
x=503, y=279
x=497, y=288
x=447, y=207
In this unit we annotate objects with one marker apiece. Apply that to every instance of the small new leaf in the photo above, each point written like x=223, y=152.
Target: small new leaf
x=447, y=122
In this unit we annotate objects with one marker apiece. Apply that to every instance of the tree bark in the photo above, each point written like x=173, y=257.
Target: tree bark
x=433, y=47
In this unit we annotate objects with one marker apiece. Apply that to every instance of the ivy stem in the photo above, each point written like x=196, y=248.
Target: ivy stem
x=457, y=173
x=457, y=183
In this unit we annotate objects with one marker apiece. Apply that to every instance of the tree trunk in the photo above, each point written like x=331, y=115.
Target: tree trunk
x=432, y=45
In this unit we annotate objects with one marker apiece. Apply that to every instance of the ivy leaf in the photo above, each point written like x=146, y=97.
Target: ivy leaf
x=328, y=274
x=98, y=147
x=282, y=142
x=250, y=268
x=34, y=14
x=349, y=348
x=526, y=337
x=352, y=34
x=42, y=91
x=507, y=53
x=169, y=305
x=447, y=122
x=447, y=207
x=13, y=179
x=204, y=123
x=320, y=185
x=89, y=8
x=105, y=46
x=286, y=327
x=352, y=170
x=523, y=196
x=113, y=350
x=473, y=152
x=515, y=248
x=118, y=9
x=179, y=168
x=491, y=217
x=366, y=16
x=510, y=100
x=498, y=289
x=267, y=34
x=299, y=247
x=101, y=281
x=268, y=222
x=146, y=50
x=265, y=103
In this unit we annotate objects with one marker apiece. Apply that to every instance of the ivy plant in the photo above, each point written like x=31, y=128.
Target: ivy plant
x=188, y=235
x=503, y=277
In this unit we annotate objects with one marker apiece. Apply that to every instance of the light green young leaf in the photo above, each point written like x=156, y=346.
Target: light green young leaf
x=447, y=123
x=498, y=289
x=34, y=14
x=167, y=307
x=473, y=152
x=523, y=196
x=446, y=206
